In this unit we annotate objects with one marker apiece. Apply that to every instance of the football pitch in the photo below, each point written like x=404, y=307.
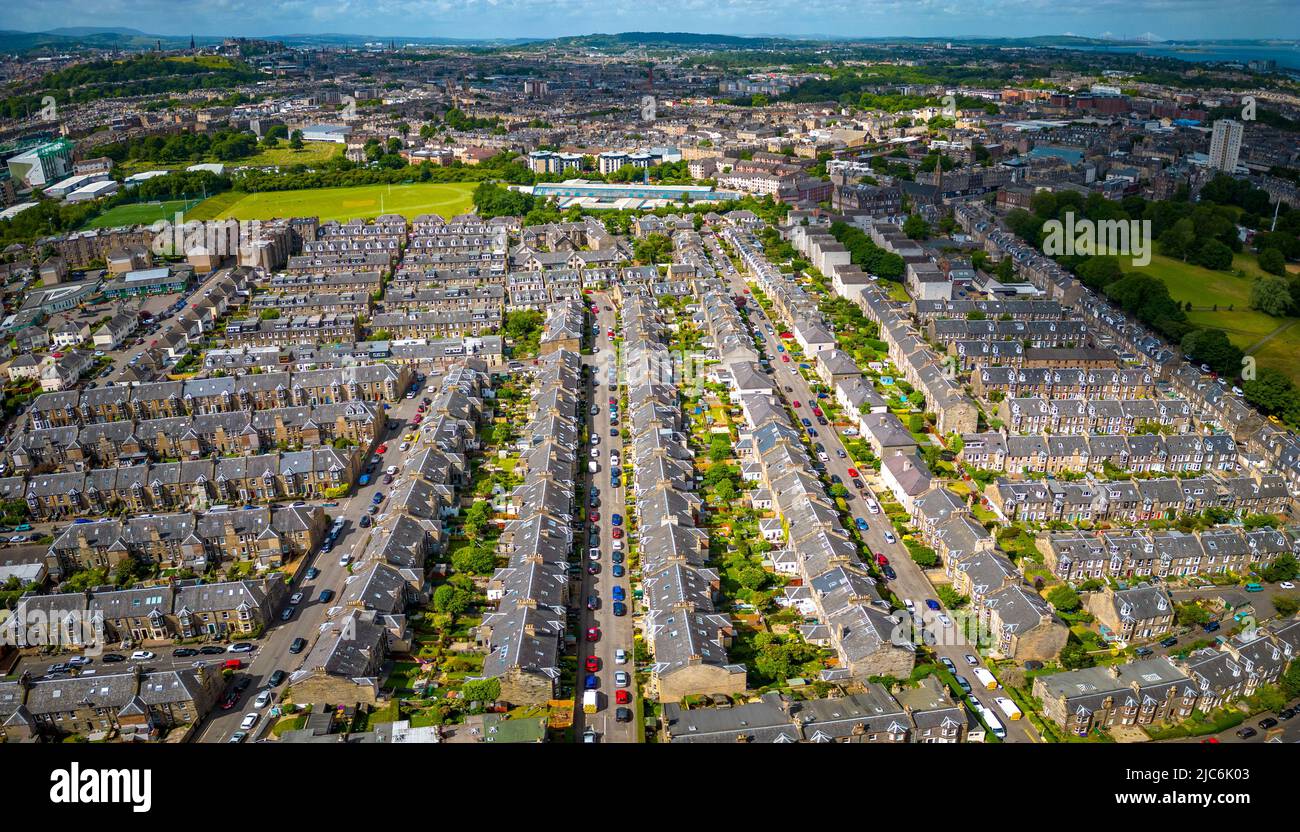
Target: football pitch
x=363, y=201
x=141, y=213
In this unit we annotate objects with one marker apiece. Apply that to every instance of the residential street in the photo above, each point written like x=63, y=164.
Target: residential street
x=911, y=581
x=615, y=631
x=273, y=648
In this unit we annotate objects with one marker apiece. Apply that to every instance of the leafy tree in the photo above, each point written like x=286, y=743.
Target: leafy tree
x=1284, y=567
x=1271, y=295
x=1064, y=599
x=295, y=140
x=1190, y=614
x=451, y=599
x=1286, y=605
x=916, y=228
x=477, y=560
x=1273, y=261
x=476, y=518
x=481, y=690
x=1074, y=656
x=1212, y=347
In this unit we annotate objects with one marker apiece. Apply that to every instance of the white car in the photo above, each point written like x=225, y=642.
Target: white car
x=593, y=554
x=621, y=679
x=889, y=537
x=263, y=699
x=142, y=656
x=250, y=719
x=620, y=656
x=595, y=439
x=972, y=661
x=910, y=606
x=1287, y=585
x=943, y=619
x=345, y=560
x=295, y=599
x=406, y=446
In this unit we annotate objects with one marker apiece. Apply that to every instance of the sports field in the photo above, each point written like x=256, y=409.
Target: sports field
x=364, y=201
x=143, y=213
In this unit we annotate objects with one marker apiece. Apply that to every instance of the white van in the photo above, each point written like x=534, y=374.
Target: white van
x=593, y=466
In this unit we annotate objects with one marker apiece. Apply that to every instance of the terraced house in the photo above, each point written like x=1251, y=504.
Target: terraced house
x=268, y=536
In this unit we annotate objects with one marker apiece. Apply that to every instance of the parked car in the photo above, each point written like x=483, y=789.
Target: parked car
x=212, y=650
x=242, y=647
x=297, y=645
x=326, y=595
x=250, y=719
x=142, y=656
x=184, y=652
x=276, y=678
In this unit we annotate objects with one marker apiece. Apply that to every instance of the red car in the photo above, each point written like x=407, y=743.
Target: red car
x=853, y=472
x=622, y=697
x=382, y=449
x=613, y=400
x=593, y=664
x=593, y=634
x=417, y=420
x=881, y=560
x=796, y=403
x=594, y=516
x=617, y=533
x=785, y=358
x=817, y=411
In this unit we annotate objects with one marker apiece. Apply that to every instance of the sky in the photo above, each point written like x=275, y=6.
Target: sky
x=550, y=18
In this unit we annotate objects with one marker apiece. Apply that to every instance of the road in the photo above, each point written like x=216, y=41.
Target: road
x=911, y=582
x=615, y=631
x=273, y=648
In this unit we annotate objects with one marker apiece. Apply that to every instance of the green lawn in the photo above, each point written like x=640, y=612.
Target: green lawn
x=140, y=213
x=365, y=201
x=1245, y=327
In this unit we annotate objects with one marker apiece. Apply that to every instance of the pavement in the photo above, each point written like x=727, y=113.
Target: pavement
x=616, y=632
x=911, y=582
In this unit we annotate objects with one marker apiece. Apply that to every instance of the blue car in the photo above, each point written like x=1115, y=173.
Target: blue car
x=617, y=570
x=620, y=608
x=932, y=604
x=862, y=524
x=377, y=499
x=616, y=519
x=326, y=595
x=313, y=572
x=614, y=483
x=619, y=594
x=591, y=682
x=613, y=432
x=806, y=423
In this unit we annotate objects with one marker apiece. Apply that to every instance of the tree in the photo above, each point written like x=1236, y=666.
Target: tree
x=295, y=140
x=450, y=599
x=1212, y=347
x=481, y=690
x=1284, y=567
x=726, y=491
x=1212, y=254
x=476, y=518
x=1064, y=599
x=1286, y=605
x=1177, y=241
x=1271, y=295
x=476, y=560
x=1074, y=656
x=1291, y=680
x=1272, y=261
x=916, y=228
